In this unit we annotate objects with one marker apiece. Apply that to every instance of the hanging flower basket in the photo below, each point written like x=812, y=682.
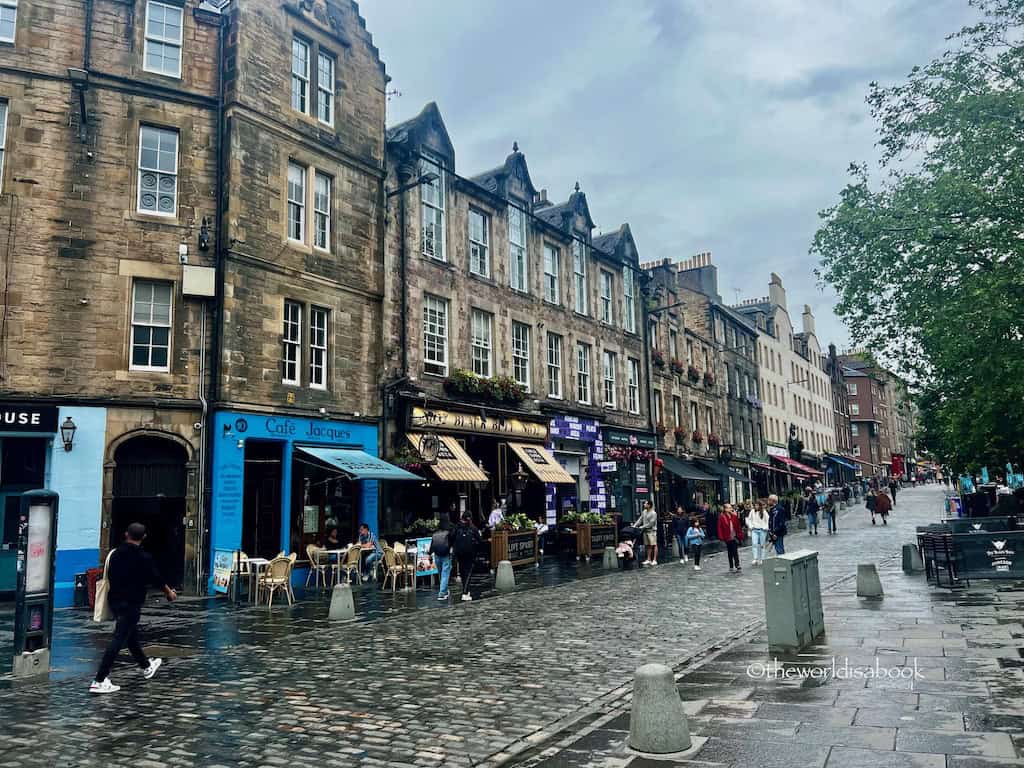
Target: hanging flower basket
x=697, y=436
x=680, y=433
x=678, y=368
x=657, y=358
x=714, y=440
x=693, y=374
x=709, y=379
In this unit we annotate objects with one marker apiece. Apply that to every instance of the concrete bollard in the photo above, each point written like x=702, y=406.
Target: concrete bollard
x=657, y=722
x=912, y=562
x=868, y=583
x=342, y=606
x=610, y=560
x=505, y=579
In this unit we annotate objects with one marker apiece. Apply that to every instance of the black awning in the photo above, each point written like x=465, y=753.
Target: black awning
x=685, y=470
x=722, y=470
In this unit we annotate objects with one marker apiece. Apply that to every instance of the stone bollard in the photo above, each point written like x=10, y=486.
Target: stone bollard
x=505, y=579
x=801, y=523
x=657, y=722
x=912, y=562
x=868, y=583
x=342, y=607
x=610, y=560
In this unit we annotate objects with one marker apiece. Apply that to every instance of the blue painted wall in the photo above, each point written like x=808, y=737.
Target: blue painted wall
x=228, y=484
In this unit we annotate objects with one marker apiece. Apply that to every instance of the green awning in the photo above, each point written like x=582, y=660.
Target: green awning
x=685, y=470
x=721, y=470
x=357, y=464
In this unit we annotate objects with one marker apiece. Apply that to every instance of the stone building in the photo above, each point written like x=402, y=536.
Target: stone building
x=169, y=311
x=799, y=425
x=843, y=467
x=513, y=337
x=868, y=401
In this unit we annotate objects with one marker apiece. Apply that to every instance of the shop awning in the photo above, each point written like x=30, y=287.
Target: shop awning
x=840, y=462
x=684, y=469
x=357, y=464
x=796, y=466
x=541, y=464
x=453, y=463
x=721, y=470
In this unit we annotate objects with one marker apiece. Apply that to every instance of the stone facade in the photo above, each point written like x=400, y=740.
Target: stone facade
x=840, y=410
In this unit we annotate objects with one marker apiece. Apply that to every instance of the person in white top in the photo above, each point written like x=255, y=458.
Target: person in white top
x=497, y=515
x=757, y=522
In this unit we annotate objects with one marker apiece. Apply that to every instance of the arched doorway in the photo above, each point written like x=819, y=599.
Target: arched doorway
x=150, y=486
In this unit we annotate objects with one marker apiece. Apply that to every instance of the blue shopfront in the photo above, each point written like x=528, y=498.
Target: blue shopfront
x=280, y=483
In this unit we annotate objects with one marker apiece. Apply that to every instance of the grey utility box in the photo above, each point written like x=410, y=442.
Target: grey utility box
x=792, y=600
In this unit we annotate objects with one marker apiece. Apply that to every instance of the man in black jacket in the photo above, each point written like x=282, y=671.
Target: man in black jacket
x=130, y=572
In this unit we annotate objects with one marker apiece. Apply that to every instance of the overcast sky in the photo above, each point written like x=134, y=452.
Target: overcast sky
x=720, y=125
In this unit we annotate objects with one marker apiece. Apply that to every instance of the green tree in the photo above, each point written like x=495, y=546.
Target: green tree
x=927, y=253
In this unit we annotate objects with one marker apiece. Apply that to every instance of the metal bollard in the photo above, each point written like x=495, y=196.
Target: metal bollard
x=657, y=722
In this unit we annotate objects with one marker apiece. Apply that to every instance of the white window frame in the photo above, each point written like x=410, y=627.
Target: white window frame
x=583, y=352
x=608, y=363
x=552, y=274
x=633, y=386
x=291, y=343
x=694, y=416
x=709, y=420
x=518, y=258
x=151, y=324
x=325, y=90
x=481, y=337
x=300, y=79
x=160, y=133
x=322, y=211
x=433, y=199
x=150, y=38
x=851, y=387
x=855, y=430
x=554, y=365
x=579, y=277
x=435, y=335
x=673, y=343
x=521, y=354
x=4, y=109
x=657, y=407
x=10, y=4
x=479, y=242
x=319, y=325
x=629, y=300
x=677, y=411
x=297, y=202
x=856, y=450
x=855, y=409
x=607, y=291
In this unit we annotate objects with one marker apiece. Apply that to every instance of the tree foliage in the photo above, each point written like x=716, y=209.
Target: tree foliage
x=928, y=261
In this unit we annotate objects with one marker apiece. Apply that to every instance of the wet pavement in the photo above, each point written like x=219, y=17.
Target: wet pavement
x=524, y=677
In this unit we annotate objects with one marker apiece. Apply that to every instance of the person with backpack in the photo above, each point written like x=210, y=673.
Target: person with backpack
x=695, y=540
x=827, y=502
x=130, y=571
x=441, y=548
x=464, y=542
x=811, y=509
x=777, y=529
x=870, y=503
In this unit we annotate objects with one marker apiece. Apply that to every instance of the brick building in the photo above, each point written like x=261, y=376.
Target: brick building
x=174, y=313
x=513, y=334
x=843, y=467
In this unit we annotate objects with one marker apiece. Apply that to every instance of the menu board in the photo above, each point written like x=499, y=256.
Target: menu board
x=418, y=550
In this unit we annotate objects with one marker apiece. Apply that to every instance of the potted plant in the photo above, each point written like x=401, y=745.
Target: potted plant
x=709, y=379
x=506, y=389
x=698, y=436
x=657, y=358
x=422, y=527
x=677, y=367
x=693, y=374
x=463, y=382
x=713, y=440
x=680, y=433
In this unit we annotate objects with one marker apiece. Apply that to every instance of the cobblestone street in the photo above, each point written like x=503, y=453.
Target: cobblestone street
x=481, y=682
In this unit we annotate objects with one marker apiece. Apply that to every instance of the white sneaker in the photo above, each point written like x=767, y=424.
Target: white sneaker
x=683, y=561
x=696, y=567
x=154, y=665
x=466, y=597
x=105, y=687
x=654, y=562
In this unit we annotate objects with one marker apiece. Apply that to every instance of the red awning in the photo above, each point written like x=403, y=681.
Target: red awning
x=799, y=468
x=778, y=470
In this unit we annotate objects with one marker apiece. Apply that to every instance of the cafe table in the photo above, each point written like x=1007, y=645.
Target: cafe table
x=339, y=555
x=256, y=564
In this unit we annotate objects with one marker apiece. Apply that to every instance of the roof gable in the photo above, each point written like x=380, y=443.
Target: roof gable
x=510, y=179
x=425, y=131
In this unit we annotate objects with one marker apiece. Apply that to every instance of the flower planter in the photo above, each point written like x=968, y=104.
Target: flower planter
x=518, y=547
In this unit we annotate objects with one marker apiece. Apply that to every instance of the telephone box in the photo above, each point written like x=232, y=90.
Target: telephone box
x=36, y=560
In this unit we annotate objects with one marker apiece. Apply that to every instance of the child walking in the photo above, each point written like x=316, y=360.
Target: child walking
x=695, y=540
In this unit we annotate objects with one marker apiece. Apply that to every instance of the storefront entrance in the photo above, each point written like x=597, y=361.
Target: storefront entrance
x=23, y=469
x=261, y=510
x=150, y=486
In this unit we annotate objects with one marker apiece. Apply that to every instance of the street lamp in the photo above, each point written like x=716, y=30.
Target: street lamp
x=426, y=178
x=519, y=480
x=67, y=433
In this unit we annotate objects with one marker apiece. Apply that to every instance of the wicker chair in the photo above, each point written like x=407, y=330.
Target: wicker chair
x=352, y=563
x=319, y=565
x=277, y=576
x=394, y=567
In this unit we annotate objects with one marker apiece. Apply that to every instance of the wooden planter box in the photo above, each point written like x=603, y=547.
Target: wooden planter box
x=592, y=539
x=518, y=547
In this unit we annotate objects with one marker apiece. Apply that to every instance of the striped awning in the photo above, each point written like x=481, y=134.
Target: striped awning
x=453, y=463
x=541, y=464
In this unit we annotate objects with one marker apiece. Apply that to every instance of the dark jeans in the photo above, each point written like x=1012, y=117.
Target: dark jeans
x=465, y=570
x=780, y=547
x=681, y=543
x=831, y=518
x=126, y=633
x=733, y=548
x=695, y=551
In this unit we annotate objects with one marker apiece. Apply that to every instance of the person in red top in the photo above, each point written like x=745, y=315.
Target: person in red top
x=729, y=531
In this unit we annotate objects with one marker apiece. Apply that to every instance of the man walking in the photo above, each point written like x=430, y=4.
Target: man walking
x=649, y=526
x=729, y=532
x=893, y=484
x=441, y=548
x=130, y=571
x=464, y=541
x=777, y=525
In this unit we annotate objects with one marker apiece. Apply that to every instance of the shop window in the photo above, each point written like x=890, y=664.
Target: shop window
x=321, y=499
x=151, y=326
x=23, y=469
